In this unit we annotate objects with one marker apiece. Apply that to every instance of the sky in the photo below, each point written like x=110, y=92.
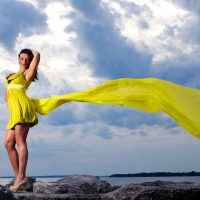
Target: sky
x=86, y=43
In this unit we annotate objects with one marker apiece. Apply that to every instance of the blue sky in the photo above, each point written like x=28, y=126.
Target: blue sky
x=83, y=44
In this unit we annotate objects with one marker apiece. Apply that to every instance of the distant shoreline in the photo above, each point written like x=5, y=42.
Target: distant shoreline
x=158, y=174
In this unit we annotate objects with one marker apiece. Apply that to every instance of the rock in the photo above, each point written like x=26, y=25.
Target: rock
x=34, y=196
x=158, y=190
x=74, y=187
x=5, y=194
x=29, y=187
x=157, y=183
x=87, y=183
x=54, y=188
x=74, y=184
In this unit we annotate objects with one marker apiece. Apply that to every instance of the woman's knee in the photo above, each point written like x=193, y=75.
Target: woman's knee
x=10, y=142
x=9, y=145
x=21, y=143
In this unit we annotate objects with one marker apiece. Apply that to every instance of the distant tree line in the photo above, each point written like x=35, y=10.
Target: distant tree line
x=157, y=174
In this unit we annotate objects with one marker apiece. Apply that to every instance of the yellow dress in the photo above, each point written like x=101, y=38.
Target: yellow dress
x=20, y=106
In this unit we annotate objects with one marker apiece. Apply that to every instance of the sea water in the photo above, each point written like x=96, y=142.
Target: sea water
x=120, y=181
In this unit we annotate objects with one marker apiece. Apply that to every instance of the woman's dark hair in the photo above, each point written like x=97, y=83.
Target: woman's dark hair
x=27, y=51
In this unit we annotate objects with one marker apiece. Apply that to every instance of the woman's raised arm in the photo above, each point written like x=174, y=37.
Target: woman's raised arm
x=31, y=71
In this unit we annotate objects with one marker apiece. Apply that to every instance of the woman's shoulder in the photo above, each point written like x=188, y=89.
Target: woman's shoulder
x=11, y=74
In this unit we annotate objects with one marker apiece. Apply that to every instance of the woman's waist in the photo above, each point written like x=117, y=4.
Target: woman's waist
x=16, y=86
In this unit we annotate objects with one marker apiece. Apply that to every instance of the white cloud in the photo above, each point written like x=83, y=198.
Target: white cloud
x=55, y=11
x=158, y=15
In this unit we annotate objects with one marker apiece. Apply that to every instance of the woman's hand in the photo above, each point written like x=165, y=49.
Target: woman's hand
x=6, y=95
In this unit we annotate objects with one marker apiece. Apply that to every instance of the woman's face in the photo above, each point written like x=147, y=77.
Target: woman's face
x=24, y=60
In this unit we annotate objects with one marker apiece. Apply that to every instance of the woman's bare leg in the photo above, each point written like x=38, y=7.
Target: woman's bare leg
x=21, y=132
x=12, y=152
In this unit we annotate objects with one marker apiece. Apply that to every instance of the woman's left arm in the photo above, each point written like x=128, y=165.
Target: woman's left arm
x=6, y=95
x=31, y=71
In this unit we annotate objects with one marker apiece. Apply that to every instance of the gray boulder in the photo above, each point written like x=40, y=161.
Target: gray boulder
x=5, y=194
x=54, y=188
x=165, y=190
x=74, y=184
x=87, y=183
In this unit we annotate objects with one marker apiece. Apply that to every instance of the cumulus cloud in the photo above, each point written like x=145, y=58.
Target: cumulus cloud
x=165, y=29
x=190, y=5
x=112, y=56
x=17, y=18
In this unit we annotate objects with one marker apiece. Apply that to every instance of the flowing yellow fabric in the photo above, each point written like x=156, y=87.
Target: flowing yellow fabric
x=150, y=95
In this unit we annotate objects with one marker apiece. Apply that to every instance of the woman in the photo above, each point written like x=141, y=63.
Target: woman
x=22, y=114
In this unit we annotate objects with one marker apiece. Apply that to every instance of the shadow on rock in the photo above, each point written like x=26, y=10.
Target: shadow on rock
x=5, y=194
